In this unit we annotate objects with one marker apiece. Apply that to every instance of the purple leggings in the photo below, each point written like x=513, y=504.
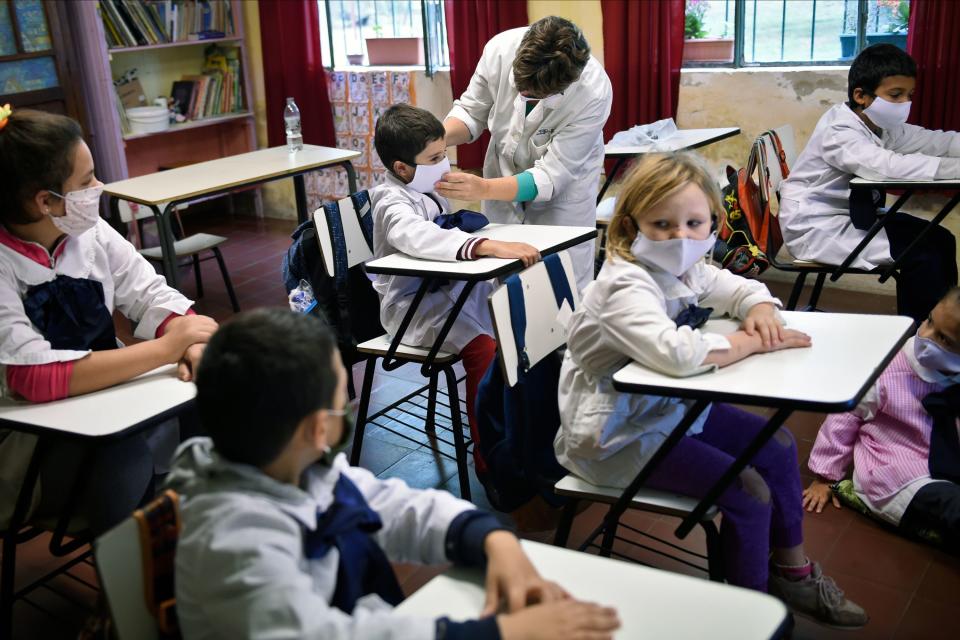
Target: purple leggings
x=761, y=510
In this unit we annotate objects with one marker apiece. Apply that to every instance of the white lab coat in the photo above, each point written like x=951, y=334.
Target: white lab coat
x=606, y=437
x=130, y=284
x=403, y=221
x=562, y=147
x=241, y=568
x=815, y=207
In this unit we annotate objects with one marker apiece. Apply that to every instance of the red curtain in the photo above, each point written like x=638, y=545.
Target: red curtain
x=470, y=24
x=642, y=51
x=293, y=66
x=932, y=41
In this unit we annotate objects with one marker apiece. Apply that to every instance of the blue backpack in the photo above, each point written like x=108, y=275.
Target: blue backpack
x=517, y=424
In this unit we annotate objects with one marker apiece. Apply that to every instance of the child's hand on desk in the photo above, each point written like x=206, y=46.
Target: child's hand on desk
x=566, y=620
x=512, y=579
x=762, y=320
x=184, y=331
x=527, y=254
x=817, y=495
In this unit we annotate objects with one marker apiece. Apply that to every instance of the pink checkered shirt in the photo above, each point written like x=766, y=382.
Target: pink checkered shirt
x=887, y=436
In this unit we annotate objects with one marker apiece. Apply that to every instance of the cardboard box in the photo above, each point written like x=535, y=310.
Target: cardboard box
x=131, y=95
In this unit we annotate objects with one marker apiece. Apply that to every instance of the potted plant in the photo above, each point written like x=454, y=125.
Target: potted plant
x=697, y=47
x=897, y=20
x=393, y=51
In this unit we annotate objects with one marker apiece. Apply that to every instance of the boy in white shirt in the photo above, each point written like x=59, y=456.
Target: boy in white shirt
x=410, y=142
x=283, y=539
x=868, y=137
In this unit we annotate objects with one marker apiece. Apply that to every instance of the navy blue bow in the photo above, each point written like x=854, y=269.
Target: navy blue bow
x=693, y=316
x=349, y=524
x=464, y=220
x=71, y=314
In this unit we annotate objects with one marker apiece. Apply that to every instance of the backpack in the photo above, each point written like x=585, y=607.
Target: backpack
x=517, y=425
x=346, y=301
x=747, y=238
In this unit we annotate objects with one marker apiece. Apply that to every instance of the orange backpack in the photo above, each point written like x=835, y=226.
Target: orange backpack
x=746, y=234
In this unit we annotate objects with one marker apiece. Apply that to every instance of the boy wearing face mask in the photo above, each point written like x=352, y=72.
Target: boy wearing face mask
x=63, y=272
x=653, y=293
x=905, y=465
x=868, y=137
x=282, y=538
x=410, y=143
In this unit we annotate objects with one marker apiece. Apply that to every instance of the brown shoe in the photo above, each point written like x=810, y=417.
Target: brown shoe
x=818, y=597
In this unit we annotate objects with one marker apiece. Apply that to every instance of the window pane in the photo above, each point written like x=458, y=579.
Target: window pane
x=33, y=25
x=792, y=31
x=7, y=45
x=887, y=22
x=710, y=18
x=19, y=76
x=353, y=21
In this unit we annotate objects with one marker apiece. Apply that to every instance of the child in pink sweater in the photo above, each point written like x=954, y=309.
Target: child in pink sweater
x=888, y=435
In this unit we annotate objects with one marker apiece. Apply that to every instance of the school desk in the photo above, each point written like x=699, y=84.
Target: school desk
x=546, y=238
x=650, y=603
x=908, y=187
x=164, y=190
x=682, y=140
x=91, y=418
x=849, y=352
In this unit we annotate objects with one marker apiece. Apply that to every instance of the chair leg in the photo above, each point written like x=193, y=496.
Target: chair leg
x=7, y=573
x=226, y=280
x=368, y=373
x=566, y=523
x=197, y=276
x=430, y=425
x=817, y=290
x=714, y=552
x=796, y=291
x=463, y=470
x=609, y=533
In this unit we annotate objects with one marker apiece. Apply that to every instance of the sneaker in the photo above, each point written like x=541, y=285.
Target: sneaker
x=819, y=597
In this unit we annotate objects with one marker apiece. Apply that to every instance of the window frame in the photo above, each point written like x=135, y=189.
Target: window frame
x=739, y=42
x=430, y=66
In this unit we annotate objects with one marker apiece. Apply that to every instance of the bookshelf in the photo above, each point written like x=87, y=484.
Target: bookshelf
x=159, y=63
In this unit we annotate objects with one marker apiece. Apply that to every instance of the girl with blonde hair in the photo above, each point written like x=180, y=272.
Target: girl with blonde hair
x=648, y=303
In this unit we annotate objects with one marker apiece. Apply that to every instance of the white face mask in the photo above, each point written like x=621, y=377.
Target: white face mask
x=886, y=114
x=932, y=356
x=674, y=256
x=81, y=210
x=428, y=175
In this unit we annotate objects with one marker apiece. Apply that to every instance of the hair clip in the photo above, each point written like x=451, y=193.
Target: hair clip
x=5, y=112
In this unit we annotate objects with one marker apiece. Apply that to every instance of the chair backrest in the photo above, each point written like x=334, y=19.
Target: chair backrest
x=343, y=216
x=769, y=162
x=546, y=324
x=138, y=590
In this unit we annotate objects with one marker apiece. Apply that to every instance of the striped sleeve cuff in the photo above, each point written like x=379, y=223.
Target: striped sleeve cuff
x=468, y=250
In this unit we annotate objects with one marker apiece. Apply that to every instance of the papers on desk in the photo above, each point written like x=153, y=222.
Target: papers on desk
x=645, y=134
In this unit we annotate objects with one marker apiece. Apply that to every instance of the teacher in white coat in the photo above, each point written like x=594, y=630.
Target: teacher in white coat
x=545, y=100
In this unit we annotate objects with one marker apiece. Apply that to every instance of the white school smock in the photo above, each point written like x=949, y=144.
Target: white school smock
x=606, y=436
x=241, y=568
x=130, y=284
x=562, y=146
x=815, y=198
x=403, y=221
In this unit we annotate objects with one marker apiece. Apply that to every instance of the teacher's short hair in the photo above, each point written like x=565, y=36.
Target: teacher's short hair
x=551, y=56
x=403, y=131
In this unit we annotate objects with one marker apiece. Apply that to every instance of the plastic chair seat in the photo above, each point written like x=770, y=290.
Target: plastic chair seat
x=663, y=502
x=189, y=246
x=379, y=347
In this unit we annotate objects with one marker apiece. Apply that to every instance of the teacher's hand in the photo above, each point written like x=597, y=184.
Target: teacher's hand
x=463, y=186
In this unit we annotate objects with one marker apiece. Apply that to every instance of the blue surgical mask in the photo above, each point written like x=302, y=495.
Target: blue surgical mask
x=933, y=356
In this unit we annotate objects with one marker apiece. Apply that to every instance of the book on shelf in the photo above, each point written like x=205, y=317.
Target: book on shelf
x=138, y=23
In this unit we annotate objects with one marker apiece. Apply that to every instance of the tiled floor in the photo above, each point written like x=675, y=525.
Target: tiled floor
x=910, y=590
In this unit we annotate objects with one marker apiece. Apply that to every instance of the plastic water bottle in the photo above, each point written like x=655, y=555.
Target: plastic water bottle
x=291, y=121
